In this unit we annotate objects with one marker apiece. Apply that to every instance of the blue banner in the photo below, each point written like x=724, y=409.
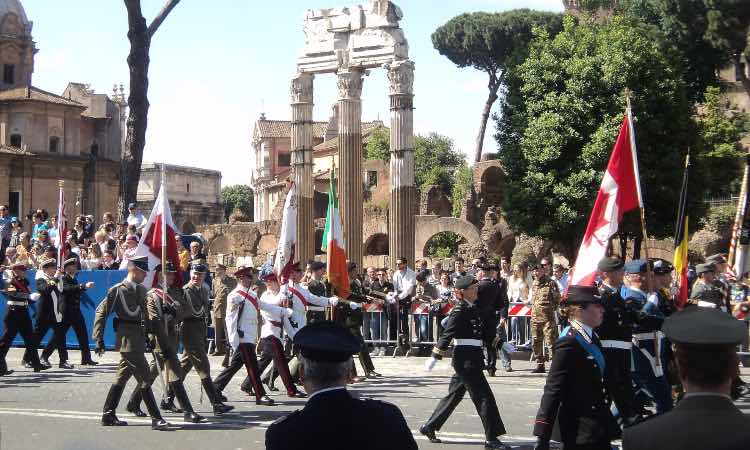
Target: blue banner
x=90, y=299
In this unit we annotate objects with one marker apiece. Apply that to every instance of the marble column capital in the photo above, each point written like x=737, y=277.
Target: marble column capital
x=400, y=77
x=349, y=82
x=302, y=88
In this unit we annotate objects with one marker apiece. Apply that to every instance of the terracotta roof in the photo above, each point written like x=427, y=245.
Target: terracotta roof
x=333, y=144
x=283, y=129
x=10, y=150
x=31, y=93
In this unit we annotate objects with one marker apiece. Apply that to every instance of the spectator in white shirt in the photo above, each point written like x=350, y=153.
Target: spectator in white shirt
x=404, y=282
x=135, y=217
x=560, y=275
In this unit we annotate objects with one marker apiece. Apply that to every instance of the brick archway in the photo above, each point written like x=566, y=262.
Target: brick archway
x=429, y=226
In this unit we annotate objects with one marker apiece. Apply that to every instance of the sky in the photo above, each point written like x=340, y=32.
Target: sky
x=217, y=64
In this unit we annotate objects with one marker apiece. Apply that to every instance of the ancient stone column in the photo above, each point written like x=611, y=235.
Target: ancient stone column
x=350, y=160
x=402, y=187
x=302, y=163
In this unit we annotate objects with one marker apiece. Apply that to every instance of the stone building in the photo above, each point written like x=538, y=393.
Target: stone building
x=75, y=137
x=194, y=194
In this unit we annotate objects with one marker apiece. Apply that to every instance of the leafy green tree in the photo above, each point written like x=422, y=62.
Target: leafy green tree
x=379, y=145
x=237, y=196
x=443, y=245
x=729, y=31
x=561, y=116
x=492, y=43
x=461, y=188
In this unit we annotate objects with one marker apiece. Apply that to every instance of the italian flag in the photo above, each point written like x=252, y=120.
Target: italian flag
x=333, y=243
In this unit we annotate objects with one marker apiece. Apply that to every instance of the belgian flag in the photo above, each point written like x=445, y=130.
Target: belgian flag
x=681, y=240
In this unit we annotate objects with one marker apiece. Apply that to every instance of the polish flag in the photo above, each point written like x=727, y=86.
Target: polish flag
x=619, y=193
x=288, y=237
x=158, y=234
x=62, y=228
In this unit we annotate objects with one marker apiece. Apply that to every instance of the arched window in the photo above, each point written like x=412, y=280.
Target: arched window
x=54, y=144
x=16, y=140
x=9, y=73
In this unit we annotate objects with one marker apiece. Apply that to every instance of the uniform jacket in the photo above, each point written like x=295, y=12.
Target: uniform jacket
x=51, y=306
x=273, y=321
x=71, y=291
x=334, y=420
x=545, y=299
x=464, y=322
x=298, y=297
x=492, y=298
x=17, y=290
x=127, y=300
x=197, y=313
x=697, y=422
x=617, y=323
x=221, y=287
x=165, y=314
x=575, y=405
x=708, y=294
x=243, y=317
x=317, y=287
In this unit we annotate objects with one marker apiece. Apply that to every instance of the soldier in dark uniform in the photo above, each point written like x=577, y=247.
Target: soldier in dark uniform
x=71, y=292
x=317, y=286
x=50, y=310
x=705, y=343
x=332, y=418
x=128, y=302
x=164, y=312
x=575, y=406
x=350, y=316
x=17, y=319
x=193, y=334
x=492, y=297
x=465, y=328
x=616, y=336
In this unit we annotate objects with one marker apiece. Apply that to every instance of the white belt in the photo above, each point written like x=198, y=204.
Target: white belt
x=606, y=343
x=316, y=308
x=705, y=304
x=647, y=336
x=468, y=342
x=16, y=303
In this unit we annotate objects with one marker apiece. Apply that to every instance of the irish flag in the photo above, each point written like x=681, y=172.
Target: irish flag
x=333, y=244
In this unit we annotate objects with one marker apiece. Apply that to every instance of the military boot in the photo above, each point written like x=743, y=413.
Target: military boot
x=539, y=369
x=167, y=403
x=157, y=421
x=109, y=419
x=213, y=396
x=190, y=415
x=134, y=404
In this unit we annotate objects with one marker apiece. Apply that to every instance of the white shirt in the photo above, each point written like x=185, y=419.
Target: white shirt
x=248, y=322
x=404, y=283
x=515, y=290
x=562, y=282
x=299, y=316
x=271, y=314
x=138, y=220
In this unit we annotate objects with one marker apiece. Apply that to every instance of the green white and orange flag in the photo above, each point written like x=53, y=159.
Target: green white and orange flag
x=333, y=244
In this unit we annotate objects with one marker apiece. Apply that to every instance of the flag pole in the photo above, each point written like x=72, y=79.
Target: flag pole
x=60, y=217
x=738, y=217
x=162, y=187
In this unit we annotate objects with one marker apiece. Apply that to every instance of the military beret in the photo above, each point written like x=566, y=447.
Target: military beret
x=199, y=268
x=70, y=262
x=326, y=342
x=49, y=262
x=140, y=263
x=610, y=264
x=244, y=272
x=464, y=282
x=704, y=326
x=662, y=267
x=317, y=265
x=269, y=276
x=716, y=259
x=636, y=266
x=705, y=268
x=582, y=295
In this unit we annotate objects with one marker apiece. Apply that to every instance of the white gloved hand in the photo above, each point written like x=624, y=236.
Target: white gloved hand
x=391, y=298
x=354, y=305
x=333, y=301
x=430, y=364
x=289, y=312
x=35, y=296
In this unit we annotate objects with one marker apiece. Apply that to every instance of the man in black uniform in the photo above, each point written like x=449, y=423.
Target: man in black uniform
x=71, y=293
x=465, y=327
x=492, y=297
x=50, y=311
x=616, y=334
x=332, y=418
x=705, y=343
x=316, y=286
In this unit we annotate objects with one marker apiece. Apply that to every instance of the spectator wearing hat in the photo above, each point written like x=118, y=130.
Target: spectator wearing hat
x=404, y=284
x=242, y=319
x=544, y=301
x=221, y=285
x=465, y=328
x=50, y=312
x=575, y=405
x=705, y=343
x=616, y=334
x=332, y=418
x=649, y=345
x=17, y=319
x=71, y=294
x=135, y=217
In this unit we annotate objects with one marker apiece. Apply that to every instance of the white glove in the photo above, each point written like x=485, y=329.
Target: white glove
x=288, y=312
x=333, y=301
x=354, y=305
x=35, y=296
x=391, y=298
x=430, y=364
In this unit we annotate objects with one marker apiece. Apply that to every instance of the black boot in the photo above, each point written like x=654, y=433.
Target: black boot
x=167, y=404
x=219, y=407
x=157, y=422
x=190, y=415
x=109, y=419
x=134, y=404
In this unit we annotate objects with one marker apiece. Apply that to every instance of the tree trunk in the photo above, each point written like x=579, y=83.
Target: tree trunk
x=493, y=87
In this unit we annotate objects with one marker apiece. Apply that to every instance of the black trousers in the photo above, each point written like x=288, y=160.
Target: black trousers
x=57, y=342
x=244, y=355
x=473, y=381
x=364, y=355
x=620, y=383
x=17, y=321
x=74, y=319
x=490, y=329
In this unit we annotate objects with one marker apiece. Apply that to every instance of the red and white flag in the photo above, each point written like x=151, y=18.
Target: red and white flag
x=282, y=265
x=62, y=229
x=159, y=232
x=619, y=193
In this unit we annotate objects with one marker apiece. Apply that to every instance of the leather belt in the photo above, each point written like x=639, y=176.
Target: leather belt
x=623, y=345
x=16, y=303
x=468, y=342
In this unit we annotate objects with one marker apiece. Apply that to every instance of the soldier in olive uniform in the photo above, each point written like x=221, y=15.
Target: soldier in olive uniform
x=221, y=285
x=193, y=333
x=128, y=302
x=164, y=312
x=705, y=293
x=544, y=301
x=317, y=286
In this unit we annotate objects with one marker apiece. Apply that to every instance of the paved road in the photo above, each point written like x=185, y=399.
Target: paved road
x=61, y=409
